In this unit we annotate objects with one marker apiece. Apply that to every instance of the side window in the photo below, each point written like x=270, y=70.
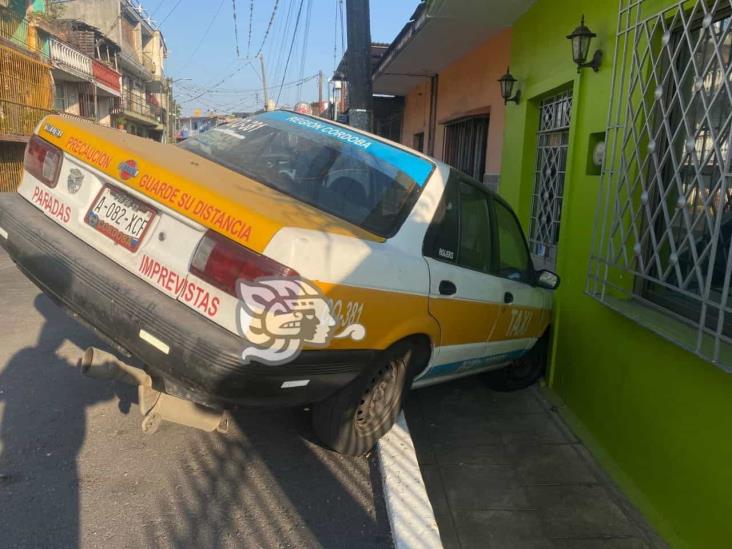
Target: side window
x=461, y=230
x=514, y=261
x=475, y=229
x=444, y=234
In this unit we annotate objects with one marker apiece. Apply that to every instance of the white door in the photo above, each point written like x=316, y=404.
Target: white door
x=465, y=298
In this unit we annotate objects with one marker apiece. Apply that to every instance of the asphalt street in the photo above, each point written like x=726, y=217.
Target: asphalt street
x=77, y=471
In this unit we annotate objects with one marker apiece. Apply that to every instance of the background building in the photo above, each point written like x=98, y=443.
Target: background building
x=145, y=104
x=26, y=90
x=620, y=179
x=101, y=60
x=445, y=63
x=388, y=110
x=87, y=82
x=189, y=126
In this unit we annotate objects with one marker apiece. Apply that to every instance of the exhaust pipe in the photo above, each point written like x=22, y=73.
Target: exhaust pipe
x=102, y=365
x=154, y=405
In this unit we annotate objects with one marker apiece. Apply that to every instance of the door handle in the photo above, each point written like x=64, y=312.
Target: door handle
x=508, y=298
x=447, y=288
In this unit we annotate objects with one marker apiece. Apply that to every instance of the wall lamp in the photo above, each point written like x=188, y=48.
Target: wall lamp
x=507, y=82
x=581, y=38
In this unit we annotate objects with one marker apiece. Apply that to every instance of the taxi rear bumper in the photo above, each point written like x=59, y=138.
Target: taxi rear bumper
x=190, y=355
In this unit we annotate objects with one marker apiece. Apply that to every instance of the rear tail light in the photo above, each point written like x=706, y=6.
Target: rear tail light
x=43, y=160
x=221, y=262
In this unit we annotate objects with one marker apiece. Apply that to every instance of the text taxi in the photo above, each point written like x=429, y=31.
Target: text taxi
x=277, y=260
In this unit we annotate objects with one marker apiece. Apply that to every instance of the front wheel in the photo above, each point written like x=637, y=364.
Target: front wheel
x=523, y=372
x=352, y=420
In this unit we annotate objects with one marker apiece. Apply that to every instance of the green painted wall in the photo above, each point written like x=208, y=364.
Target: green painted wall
x=657, y=417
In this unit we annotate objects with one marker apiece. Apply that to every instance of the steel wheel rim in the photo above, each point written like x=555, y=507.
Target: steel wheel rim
x=377, y=400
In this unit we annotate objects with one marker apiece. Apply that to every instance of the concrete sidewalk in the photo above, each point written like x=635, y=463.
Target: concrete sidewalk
x=502, y=470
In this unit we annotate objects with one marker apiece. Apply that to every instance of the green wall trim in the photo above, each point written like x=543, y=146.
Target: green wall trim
x=657, y=416
x=536, y=91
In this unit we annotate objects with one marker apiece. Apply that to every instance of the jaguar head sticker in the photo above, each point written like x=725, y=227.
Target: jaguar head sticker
x=278, y=317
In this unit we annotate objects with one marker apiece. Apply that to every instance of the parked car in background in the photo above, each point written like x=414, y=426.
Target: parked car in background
x=279, y=260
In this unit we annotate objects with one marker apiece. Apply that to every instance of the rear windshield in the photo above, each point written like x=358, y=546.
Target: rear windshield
x=367, y=182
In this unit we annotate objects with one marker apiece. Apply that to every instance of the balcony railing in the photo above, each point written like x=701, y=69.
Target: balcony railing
x=106, y=76
x=14, y=28
x=69, y=59
x=139, y=106
x=26, y=93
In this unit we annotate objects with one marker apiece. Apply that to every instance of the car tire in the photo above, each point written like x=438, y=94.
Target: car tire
x=521, y=373
x=352, y=420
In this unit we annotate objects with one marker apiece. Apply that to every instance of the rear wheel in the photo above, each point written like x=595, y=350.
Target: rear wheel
x=352, y=420
x=523, y=372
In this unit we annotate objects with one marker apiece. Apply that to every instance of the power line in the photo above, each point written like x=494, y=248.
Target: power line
x=292, y=45
x=160, y=5
x=203, y=36
x=343, y=32
x=225, y=91
x=254, y=70
x=286, y=86
x=169, y=13
x=245, y=95
x=217, y=84
x=211, y=89
x=305, y=37
x=272, y=34
x=236, y=31
x=251, y=16
x=269, y=26
x=283, y=42
x=335, y=37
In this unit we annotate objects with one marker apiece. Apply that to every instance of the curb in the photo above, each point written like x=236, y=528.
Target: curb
x=412, y=520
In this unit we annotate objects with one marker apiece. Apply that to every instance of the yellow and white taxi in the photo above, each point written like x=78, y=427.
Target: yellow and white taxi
x=277, y=260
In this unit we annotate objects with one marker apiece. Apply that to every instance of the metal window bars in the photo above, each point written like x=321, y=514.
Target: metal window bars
x=551, y=162
x=465, y=145
x=662, y=251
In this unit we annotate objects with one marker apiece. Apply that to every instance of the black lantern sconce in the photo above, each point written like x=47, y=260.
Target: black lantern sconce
x=581, y=38
x=507, y=82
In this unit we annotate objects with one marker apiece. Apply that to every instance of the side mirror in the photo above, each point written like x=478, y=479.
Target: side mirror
x=547, y=279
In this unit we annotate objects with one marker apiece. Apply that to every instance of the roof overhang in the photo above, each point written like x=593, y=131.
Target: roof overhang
x=439, y=33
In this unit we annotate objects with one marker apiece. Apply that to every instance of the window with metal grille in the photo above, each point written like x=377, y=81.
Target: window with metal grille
x=59, y=98
x=664, y=221
x=86, y=101
x=551, y=164
x=465, y=145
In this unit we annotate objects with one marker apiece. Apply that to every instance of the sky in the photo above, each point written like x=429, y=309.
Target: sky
x=202, y=47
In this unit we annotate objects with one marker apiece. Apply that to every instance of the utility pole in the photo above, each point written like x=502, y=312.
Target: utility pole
x=360, y=94
x=264, y=82
x=320, y=92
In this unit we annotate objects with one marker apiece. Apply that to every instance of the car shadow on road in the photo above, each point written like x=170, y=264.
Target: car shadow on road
x=42, y=431
x=265, y=484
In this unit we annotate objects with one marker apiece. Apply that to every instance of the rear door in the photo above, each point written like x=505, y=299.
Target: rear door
x=465, y=298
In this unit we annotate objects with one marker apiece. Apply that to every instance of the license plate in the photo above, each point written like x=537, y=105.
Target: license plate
x=121, y=217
